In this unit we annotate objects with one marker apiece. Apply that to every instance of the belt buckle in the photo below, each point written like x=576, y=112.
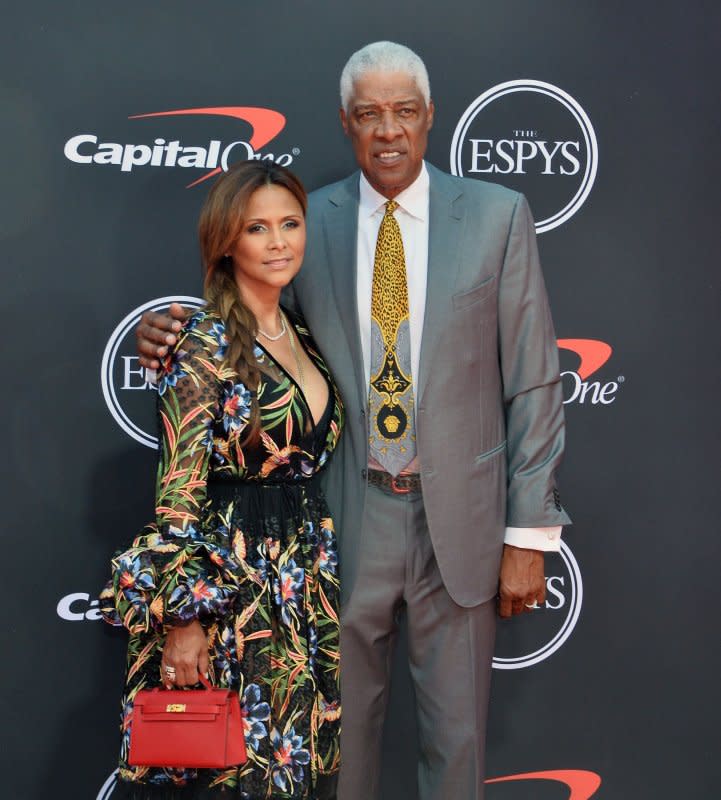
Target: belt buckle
x=396, y=489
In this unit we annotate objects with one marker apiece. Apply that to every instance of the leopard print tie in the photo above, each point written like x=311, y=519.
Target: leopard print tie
x=392, y=435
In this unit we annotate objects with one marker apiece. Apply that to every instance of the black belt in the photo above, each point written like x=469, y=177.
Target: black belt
x=403, y=483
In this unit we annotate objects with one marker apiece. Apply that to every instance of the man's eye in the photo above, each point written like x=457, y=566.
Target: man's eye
x=406, y=112
x=366, y=115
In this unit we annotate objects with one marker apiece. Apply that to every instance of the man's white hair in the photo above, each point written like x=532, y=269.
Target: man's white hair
x=383, y=57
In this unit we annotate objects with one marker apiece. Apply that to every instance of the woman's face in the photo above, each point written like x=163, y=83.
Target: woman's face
x=269, y=251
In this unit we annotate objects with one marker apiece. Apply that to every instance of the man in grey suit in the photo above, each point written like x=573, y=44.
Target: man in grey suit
x=459, y=529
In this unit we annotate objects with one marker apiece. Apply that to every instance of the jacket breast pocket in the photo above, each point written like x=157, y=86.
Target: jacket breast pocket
x=471, y=297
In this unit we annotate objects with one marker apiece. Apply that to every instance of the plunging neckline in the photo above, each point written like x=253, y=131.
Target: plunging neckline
x=331, y=398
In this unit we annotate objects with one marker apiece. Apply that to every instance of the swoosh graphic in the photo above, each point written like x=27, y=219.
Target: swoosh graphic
x=265, y=122
x=592, y=352
x=581, y=782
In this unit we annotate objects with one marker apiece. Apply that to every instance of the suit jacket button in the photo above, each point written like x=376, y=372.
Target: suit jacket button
x=364, y=473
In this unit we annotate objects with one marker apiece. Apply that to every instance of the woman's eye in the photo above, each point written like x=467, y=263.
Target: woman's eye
x=291, y=223
x=255, y=228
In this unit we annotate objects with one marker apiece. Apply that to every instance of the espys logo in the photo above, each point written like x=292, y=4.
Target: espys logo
x=78, y=607
x=125, y=383
x=535, y=138
x=531, y=638
x=592, y=354
x=582, y=784
x=213, y=156
x=108, y=787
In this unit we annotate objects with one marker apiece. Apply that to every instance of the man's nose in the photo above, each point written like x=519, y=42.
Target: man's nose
x=388, y=127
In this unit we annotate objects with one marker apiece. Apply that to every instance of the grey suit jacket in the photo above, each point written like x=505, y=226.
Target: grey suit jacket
x=490, y=427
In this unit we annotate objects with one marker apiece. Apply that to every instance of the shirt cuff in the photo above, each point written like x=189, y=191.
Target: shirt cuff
x=547, y=539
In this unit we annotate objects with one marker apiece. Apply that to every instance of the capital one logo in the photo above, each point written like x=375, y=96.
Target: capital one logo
x=213, y=156
x=532, y=137
x=532, y=637
x=125, y=383
x=78, y=607
x=591, y=355
x=582, y=784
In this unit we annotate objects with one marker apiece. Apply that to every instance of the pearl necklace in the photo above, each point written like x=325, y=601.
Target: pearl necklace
x=280, y=335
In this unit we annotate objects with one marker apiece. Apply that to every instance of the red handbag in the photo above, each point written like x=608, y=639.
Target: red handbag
x=187, y=728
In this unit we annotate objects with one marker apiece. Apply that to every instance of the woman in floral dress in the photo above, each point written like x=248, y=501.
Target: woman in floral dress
x=238, y=576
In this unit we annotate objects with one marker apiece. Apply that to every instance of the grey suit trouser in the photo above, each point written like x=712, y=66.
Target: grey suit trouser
x=450, y=653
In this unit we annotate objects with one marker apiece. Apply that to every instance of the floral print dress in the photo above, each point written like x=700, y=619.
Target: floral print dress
x=243, y=541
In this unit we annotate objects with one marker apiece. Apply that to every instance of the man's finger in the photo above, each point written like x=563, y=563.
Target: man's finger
x=504, y=605
x=154, y=335
x=518, y=607
x=163, y=320
x=149, y=363
x=179, y=315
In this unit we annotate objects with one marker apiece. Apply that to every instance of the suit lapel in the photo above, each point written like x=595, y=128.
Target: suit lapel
x=341, y=231
x=447, y=222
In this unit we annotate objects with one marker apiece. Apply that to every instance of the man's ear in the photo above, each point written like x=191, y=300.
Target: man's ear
x=343, y=120
x=431, y=112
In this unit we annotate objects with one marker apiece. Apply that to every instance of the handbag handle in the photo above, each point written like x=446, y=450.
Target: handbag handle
x=201, y=679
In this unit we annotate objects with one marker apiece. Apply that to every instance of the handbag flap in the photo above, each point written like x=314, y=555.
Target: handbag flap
x=163, y=697
x=181, y=709
x=181, y=704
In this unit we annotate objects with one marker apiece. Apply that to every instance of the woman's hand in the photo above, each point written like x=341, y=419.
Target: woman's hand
x=186, y=651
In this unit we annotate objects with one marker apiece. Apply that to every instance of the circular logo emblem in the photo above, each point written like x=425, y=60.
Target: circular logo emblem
x=108, y=787
x=125, y=383
x=533, y=637
x=532, y=137
x=392, y=422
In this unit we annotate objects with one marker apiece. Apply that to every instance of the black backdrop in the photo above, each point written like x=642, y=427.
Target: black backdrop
x=625, y=684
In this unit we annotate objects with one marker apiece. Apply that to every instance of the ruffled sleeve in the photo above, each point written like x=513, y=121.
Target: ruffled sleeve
x=178, y=569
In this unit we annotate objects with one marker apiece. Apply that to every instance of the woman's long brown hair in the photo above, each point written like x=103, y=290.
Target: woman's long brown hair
x=221, y=222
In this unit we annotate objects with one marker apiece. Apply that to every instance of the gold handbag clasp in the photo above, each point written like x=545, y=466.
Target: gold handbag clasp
x=175, y=708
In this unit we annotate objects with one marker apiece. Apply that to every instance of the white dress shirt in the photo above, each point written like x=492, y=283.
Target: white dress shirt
x=412, y=217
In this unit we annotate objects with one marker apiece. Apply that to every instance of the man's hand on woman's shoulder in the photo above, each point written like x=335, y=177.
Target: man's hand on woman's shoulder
x=157, y=332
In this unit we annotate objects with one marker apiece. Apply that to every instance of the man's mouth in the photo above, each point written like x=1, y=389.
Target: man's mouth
x=389, y=155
